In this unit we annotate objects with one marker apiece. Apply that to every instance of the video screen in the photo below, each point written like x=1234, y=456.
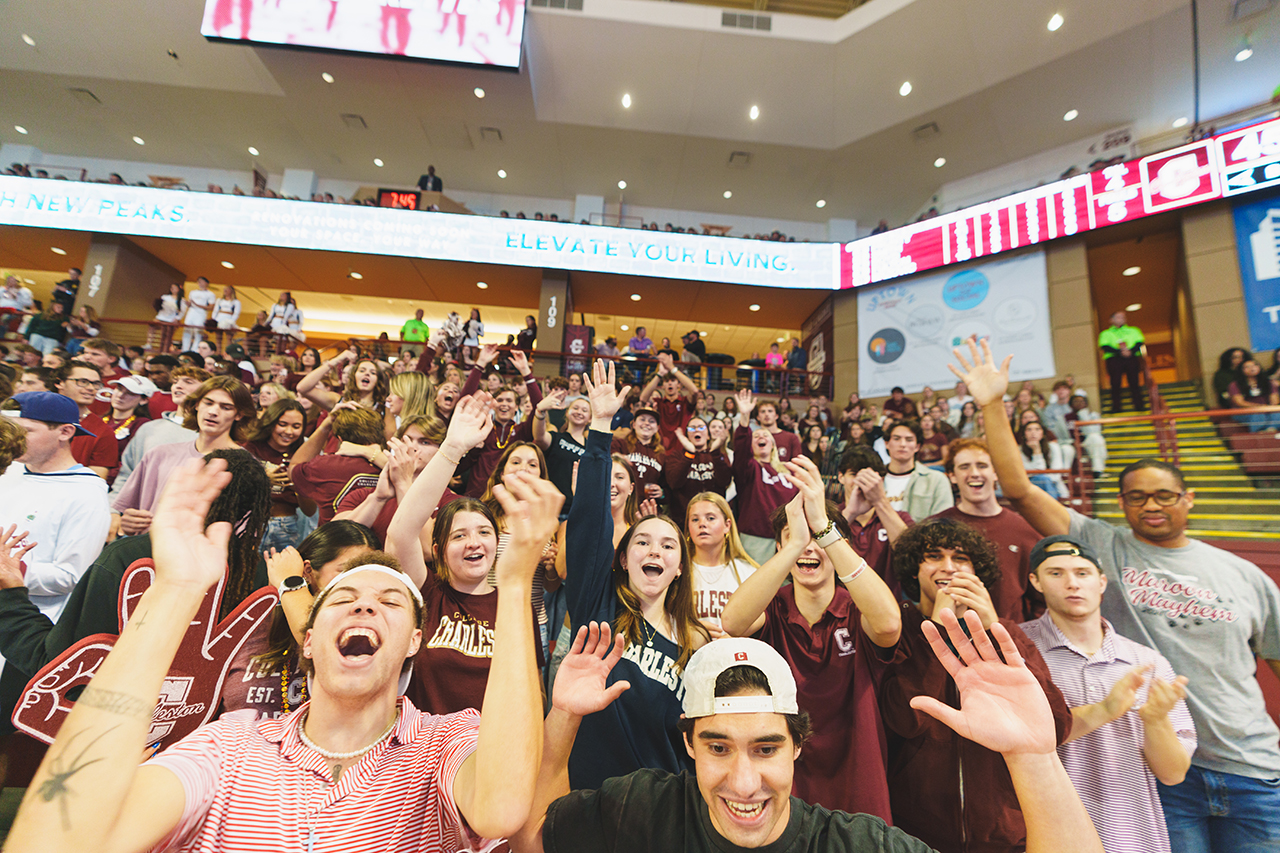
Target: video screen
x=480, y=32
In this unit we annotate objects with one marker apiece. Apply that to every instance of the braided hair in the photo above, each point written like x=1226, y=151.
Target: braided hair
x=245, y=504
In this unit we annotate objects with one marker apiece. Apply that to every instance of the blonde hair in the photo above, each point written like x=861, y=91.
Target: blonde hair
x=732, y=551
x=417, y=393
x=282, y=393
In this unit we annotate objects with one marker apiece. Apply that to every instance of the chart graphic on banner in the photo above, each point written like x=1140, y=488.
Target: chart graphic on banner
x=906, y=331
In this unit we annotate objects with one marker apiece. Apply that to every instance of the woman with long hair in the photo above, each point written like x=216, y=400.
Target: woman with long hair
x=644, y=588
x=1253, y=388
x=472, y=332
x=226, y=311
x=452, y=667
x=82, y=325
x=365, y=384
x=967, y=425
x=811, y=444
x=265, y=679
x=720, y=563
x=933, y=450
x=565, y=447
x=275, y=437
x=47, y=330
x=1039, y=453
x=199, y=301
x=285, y=320
x=170, y=308
x=271, y=392
x=409, y=396
x=730, y=412
x=762, y=488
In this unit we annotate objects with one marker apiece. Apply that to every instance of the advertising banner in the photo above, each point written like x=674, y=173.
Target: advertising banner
x=906, y=331
x=1258, y=242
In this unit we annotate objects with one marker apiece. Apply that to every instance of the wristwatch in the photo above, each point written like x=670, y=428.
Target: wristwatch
x=292, y=584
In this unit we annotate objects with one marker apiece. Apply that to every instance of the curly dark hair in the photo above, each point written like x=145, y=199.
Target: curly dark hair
x=931, y=534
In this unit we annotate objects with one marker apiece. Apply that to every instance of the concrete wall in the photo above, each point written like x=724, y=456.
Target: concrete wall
x=1071, y=316
x=1213, y=278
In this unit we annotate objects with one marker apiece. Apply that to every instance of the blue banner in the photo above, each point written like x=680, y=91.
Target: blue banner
x=1258, y=243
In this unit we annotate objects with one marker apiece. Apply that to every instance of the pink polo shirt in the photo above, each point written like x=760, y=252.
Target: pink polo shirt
x=255, y=786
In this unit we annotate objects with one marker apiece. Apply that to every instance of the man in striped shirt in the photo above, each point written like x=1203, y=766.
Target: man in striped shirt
x=358, y=768
x=1131, y=725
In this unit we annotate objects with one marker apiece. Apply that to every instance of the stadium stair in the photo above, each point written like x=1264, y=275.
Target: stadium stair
x=1231, y=508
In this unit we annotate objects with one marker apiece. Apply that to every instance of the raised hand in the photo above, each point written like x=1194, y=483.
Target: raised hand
x=1161, y=698
x=746, y=403
x=1002, y=706
x=532, y=508
x=580, y=687
x=186, y=553
x=797, y=524
x=555, y=399
x=665, y=363
x=13, y=547
x=986, y=382
x=402, y=460
x=648, y=507
x=470, y=424
x=520, y=362
x=602, y=391
x=808, y=481
x=685, y=442
x=283, y=564
x=488, y=353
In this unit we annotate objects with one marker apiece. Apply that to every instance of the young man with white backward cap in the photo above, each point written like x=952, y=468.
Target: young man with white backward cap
x=358, y=768
x=744, y=730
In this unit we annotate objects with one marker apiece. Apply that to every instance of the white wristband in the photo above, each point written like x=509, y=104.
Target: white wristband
x=853, y=575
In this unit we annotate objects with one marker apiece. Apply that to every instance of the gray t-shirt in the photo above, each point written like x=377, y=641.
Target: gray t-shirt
x=1209, y=612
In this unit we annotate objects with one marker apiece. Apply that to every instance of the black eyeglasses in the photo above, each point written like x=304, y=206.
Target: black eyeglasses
x=1164, y=497
x=87, y=383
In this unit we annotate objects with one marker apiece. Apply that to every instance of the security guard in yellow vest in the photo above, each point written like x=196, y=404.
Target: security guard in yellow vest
x=1122, y=350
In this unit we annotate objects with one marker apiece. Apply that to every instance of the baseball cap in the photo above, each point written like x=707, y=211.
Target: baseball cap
x=237, y=352
x=645, y=410
x=136, y=385
x=714, y=658
x=1041, y=551
x=48, y=407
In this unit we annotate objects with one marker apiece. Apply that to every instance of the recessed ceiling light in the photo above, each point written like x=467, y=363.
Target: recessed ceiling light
x=626, y=100
x=1245, y=53
x=58, y=251
x=1132, y=271
x=1136, y=306
x=139, y=140
x=622, y=185
x=822, y=202
x=326, y=77
x=502, y=173
x=377, y=161
x=754, y=113
x=20, y=129
x=483, y=285
x=905, y=89
x=479, y=93
x=1070, y=115
x=940, y=162
x=253, y=151
x=1055, y=22
x=635, y=297
x=753, y=307
x=781, y=339
x=1180, y=122
x=728, y=193
x=357, y=276
x=624, y=327
x=28, y=39
x=229, y=265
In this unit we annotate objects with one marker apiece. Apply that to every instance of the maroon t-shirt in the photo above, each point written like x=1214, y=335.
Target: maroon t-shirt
x=355, y=497
x=100, y=451
x=254, y=685
x=905, y=407
x=687, y=474
x=1014, y=596
x=644, y=459
x=268, y=454
x=124, y=430
x=789, y=445
x=159, y=403
x=761, y=489
x=673, y=417
x=327, y=479
x=843, y=766
x=931, y=450
x=871, y=542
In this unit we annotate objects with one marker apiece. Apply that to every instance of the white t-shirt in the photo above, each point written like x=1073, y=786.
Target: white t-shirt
x=712, y=586
x=895, y=487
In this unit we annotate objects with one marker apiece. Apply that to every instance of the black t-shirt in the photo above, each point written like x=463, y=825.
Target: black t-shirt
x=563, y=452
x=651, y=810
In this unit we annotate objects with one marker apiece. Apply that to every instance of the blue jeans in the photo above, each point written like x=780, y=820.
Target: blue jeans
x=45, y=345
x=1256, y=422
x=282, y=532
x=1212, y=812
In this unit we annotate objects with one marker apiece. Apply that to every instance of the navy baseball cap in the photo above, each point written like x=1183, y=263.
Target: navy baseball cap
x=1066, y=545
x=48, y=407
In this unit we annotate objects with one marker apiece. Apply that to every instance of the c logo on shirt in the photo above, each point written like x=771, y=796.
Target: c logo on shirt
x=844, y=643
x=883, y=534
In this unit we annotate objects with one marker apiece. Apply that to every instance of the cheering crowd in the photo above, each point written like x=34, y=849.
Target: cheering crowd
x=586, y=616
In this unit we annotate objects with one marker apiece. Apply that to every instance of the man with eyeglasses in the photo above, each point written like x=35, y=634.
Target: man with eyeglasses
x=97, y=449
x=1206, y=610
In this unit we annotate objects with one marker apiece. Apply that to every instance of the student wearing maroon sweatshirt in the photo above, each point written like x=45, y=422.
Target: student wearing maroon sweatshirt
x=696, y=464
x=761, y=481
x=505, y=430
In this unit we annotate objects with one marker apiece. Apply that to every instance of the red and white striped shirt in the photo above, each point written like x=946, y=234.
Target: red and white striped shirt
x=1107, y=766
x=255, y=787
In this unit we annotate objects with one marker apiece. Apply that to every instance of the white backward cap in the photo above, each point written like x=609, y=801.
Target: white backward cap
x=371, y=567
x=715, y=657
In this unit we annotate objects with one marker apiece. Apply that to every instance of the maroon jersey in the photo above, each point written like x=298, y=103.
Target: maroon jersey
x=327, y=479
x=871, y=542
x=673, y=417
x=1014, y=597
x=789, y=445
x=843, y=766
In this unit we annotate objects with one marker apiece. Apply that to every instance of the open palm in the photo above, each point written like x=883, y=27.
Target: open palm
x=985, y=381
x=1002, y=706
x=186, y=553
x=581, y=686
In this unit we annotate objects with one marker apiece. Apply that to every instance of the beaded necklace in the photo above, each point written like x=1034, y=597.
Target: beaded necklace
x=284, y=685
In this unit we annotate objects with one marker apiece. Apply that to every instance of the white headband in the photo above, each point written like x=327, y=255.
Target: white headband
x=373, y=567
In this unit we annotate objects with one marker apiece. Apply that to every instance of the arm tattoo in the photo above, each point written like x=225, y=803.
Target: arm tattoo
x=56, y=787
x=116, y=703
